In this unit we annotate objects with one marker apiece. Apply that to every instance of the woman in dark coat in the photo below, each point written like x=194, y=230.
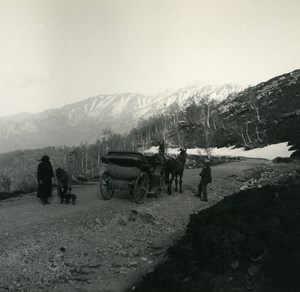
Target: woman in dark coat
x=44, y=178
x=205, y=180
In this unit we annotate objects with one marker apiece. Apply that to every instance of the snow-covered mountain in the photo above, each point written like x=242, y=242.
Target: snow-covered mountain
x=85, y=121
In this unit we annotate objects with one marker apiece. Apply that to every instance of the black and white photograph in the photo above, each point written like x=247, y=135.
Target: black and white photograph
x=149, y=145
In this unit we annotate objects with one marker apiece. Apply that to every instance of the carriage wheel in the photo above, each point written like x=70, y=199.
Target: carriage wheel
x=106, y=190
x=141, y=188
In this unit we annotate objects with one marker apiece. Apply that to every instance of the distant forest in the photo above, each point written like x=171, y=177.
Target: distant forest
x=175, y=127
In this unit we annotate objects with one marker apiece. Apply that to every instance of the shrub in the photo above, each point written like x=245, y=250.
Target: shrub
x=282, y=160
x=26, y=186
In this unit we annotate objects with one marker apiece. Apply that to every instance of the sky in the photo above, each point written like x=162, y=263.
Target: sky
x=56, y=52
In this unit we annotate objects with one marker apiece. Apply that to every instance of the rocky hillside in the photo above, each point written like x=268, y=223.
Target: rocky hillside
x=264, y=114
x=85, y=120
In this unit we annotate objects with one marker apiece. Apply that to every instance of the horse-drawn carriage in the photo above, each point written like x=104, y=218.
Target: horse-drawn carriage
x=132, y=171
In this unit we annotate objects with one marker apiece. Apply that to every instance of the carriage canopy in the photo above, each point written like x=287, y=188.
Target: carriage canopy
x=126, y=158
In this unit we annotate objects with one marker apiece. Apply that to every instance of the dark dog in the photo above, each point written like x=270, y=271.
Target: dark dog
x=69, y=197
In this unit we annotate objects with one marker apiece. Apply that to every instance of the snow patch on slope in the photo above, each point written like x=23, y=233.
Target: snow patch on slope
x=93, y=104
x=268, y=152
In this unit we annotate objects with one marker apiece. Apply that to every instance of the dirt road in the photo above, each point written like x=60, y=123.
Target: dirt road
x=99, y=245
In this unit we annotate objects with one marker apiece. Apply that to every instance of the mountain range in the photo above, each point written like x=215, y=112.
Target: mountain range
x=85, y=121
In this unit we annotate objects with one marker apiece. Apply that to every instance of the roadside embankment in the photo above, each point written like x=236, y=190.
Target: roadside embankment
x=249, y=241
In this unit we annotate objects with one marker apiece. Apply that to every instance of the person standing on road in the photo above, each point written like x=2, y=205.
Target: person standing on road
x=64, y=183
x=205, y=180
x=44, y=178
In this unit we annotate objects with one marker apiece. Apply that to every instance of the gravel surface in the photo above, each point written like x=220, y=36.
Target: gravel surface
x=100, y=245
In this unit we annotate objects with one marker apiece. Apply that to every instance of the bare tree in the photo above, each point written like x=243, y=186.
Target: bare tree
x=207, y=117
x=247, y=128
x=253, y=104
x=257, y=134
x=243, y=137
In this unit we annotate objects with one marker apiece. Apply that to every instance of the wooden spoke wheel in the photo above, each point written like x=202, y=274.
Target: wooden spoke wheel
x=106, y=189
x=141, y=188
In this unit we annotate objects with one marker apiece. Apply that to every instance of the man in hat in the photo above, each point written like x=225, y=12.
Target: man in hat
x=44, y=178
x=64, y=184
x=162, y=152
x=205, y=180
x=161, y=147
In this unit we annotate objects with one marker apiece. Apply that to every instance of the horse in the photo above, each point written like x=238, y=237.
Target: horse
x=175, y=167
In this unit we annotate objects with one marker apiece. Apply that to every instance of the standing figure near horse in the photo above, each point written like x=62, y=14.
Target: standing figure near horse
x=44, y=179
x=162, y=156
x=175, y=167
x=205, y=180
